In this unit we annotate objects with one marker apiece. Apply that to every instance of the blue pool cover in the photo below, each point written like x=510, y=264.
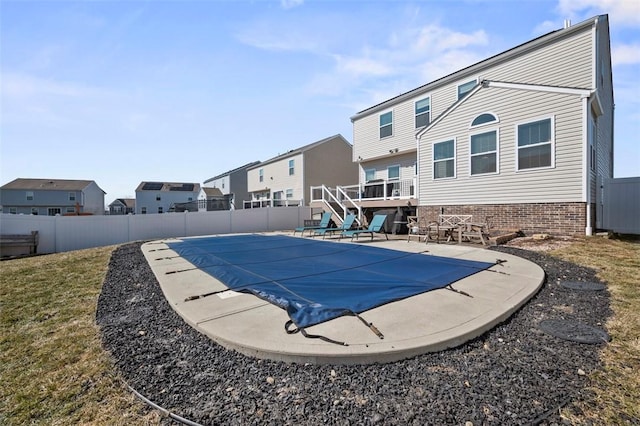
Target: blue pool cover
x=316, y=281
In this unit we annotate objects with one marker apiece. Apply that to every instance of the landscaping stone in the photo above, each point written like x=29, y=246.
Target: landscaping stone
x=515, y=374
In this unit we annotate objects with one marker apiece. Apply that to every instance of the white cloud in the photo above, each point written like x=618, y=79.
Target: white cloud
x=625, y=54
x=290, y=4
x=16, y=85
x=621, y=12
x=545, y=27
x=411, y=57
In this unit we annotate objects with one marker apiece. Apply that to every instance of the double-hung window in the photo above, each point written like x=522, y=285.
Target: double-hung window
x=444, y=159
x=386, y=124
x=393, y=172
x=291, y=167
x=465, y=88
x=369, y=175
x=484, y=153
x=29, y=195
x=423, y=112
x=261, y=175
x=72, y=196
x=535, y=144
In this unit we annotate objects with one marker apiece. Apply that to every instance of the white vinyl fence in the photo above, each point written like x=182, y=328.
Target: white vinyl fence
x=65, y=233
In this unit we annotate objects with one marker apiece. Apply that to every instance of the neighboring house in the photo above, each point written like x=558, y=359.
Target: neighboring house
x=121, y=206
x=52, y=197
x=519, y=139
x=212, y=199
x=287, y=179
x=162, y=197
x=232, y=184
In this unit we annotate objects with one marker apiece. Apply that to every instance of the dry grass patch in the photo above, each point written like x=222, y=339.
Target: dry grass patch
x=617, y=387
x=52, y=365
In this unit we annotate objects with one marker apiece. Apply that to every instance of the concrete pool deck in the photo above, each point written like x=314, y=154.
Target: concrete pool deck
x=428, y=322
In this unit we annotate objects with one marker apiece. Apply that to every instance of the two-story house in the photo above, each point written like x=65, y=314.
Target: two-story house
x=233, y=184
x=52, y=197
x=163, y=197
x=519, y=139
x=212, y=199
x=121, y=206
x=287, y=179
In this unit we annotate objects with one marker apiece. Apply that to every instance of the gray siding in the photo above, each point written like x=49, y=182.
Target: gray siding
x=563, y=182
x=566, y=63
x=91, y=200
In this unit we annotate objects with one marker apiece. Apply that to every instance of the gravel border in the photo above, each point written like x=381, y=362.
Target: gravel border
x=514, y=374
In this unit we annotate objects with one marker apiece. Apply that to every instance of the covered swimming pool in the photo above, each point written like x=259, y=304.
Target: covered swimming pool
x=316, y=281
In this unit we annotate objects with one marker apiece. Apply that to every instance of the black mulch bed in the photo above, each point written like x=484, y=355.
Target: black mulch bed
x=514, y=374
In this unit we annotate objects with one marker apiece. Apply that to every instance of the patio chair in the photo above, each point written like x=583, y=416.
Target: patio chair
x=346, y=225
x=376, y=225
x=324, y=223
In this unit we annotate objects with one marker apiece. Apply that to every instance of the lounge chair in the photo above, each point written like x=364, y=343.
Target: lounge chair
x=346, y=225
x=324, y=223
x=376, y=225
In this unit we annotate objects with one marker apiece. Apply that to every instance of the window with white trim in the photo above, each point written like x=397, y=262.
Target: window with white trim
x=369, y=174
x=34, y=211
x=143, y=210
x=535, y=144
x=485, y=118
x=70, y=210
x=444, y=159
x=423, y=112
x=393, y=172
x=292, y=168
x=29, y=195
x=13, y=210
x=289, y=193
x=465, y=88
x=160, y=209
x=52, y=211
x=386, y=124
x=484, y=153
x=261, y=175
x=72, y=196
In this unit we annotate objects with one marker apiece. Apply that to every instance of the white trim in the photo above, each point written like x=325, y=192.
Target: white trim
x=553, y=143
x=448, y=111
x=455, y=157
x=488, y=123
x=497, y=151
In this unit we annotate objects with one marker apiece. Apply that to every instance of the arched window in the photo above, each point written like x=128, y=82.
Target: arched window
x=484, y=118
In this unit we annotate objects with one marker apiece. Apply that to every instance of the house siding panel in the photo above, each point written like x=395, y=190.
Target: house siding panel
x=560, y=183
x=563, y=63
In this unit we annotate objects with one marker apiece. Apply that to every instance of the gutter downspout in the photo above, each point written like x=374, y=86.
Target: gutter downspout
x=418, y=170
x=587, y=165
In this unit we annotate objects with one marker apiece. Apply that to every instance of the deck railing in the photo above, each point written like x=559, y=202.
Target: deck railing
x=379, y=189
x=271, y=202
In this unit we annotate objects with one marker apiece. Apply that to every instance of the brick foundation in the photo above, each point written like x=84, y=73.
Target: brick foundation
x=533, y=218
